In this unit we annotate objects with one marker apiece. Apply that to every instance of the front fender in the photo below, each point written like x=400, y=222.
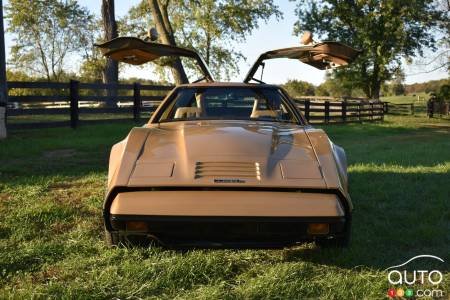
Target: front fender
x=332, y=160
x=341, y=164
x=123, y=157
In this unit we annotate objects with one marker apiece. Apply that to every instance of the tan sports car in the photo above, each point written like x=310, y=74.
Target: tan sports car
x=227, y=164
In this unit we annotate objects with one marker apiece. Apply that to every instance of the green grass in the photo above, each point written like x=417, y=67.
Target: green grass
x=420, y=105
x=410, y=98
x=51, y=235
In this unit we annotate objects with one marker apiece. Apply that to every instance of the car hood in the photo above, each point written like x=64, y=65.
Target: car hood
x=215, y=153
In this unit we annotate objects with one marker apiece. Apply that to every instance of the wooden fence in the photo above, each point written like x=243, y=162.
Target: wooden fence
x=75, y=99
x=399, y=109
x=335, y=110
x=69, y=104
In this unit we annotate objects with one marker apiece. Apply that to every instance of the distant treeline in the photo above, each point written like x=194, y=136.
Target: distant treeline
x=333, y=87
x=22, y=76
x=425, y=87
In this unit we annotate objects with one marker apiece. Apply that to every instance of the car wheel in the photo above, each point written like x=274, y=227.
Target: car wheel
x=337, y=242
x=112, y=238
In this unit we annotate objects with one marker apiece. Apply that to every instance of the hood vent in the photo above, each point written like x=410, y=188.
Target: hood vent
x=227, y=169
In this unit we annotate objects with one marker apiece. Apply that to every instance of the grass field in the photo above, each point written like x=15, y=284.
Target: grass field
x=410, y=98
x=51, y=235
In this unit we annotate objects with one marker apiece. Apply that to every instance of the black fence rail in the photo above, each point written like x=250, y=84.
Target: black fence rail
x=64, y=104
x=398, y=108
x=326, y=110
x=56, y=104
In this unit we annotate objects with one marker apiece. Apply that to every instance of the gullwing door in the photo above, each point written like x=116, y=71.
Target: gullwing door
x=322, y=56
x=135, y=51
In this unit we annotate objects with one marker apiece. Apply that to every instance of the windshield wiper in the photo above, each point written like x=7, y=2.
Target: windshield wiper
x=198, y=80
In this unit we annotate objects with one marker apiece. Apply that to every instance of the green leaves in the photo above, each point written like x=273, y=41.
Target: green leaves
x=386, y=30
x=46, y=32
x=299, y=88
x=211, y=27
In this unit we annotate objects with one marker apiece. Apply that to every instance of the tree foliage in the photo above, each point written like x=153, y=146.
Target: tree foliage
x=297, y=88
x=444, y=92
x=426, y=87
x=93, y=62
x=386, y=30
x=46, y=32
x=211, y=27
x=160, y=14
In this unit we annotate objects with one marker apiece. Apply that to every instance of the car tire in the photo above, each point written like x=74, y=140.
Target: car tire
x=112, y=238
x=337, y=242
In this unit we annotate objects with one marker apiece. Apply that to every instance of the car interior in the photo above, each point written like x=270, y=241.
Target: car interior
x=221, y=103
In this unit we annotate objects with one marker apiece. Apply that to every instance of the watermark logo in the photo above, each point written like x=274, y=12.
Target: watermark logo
x=418, y=283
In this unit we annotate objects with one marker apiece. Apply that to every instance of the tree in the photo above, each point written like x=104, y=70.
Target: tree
x=159, y=9
x=332, y=87
x=111, y=68
x=386, y=30
x=3, y=88
x=93, y=65
x=45, y=34
x=299, y=88
x=444, y=92
x=397, y=86
x=337, y=87
x=211, y=27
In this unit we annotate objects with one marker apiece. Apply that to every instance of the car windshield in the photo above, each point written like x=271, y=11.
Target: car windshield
x=259, y=104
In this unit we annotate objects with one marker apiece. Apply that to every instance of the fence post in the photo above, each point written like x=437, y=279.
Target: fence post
x=359, y=112
x=3, y=119
x=327, y=112
x=307, y=106
x=344, y=111
x=386, y=107
x=74, y=96
x=430, y=108
x=3, y=84
x=371, y=110
x=136, y=101
x=412, y=108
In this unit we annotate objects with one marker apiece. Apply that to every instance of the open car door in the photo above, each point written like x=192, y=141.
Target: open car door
x=135, y=51
x=322, y=56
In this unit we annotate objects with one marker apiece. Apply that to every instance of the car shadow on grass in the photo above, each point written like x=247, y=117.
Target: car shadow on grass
x=396, y=216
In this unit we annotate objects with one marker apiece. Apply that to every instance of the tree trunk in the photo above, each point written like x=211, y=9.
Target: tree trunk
x=376, y=90
x=111, y=70
x=375, y=83
x=208, y=47
x=3, y=87
x=366, y=84
x=162, y=23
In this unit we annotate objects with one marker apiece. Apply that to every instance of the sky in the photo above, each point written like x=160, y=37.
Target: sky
x=271, y=35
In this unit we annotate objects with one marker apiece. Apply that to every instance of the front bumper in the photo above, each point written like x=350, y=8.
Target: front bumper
x=226, y=231
x=227, y=204
x=226, y=218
